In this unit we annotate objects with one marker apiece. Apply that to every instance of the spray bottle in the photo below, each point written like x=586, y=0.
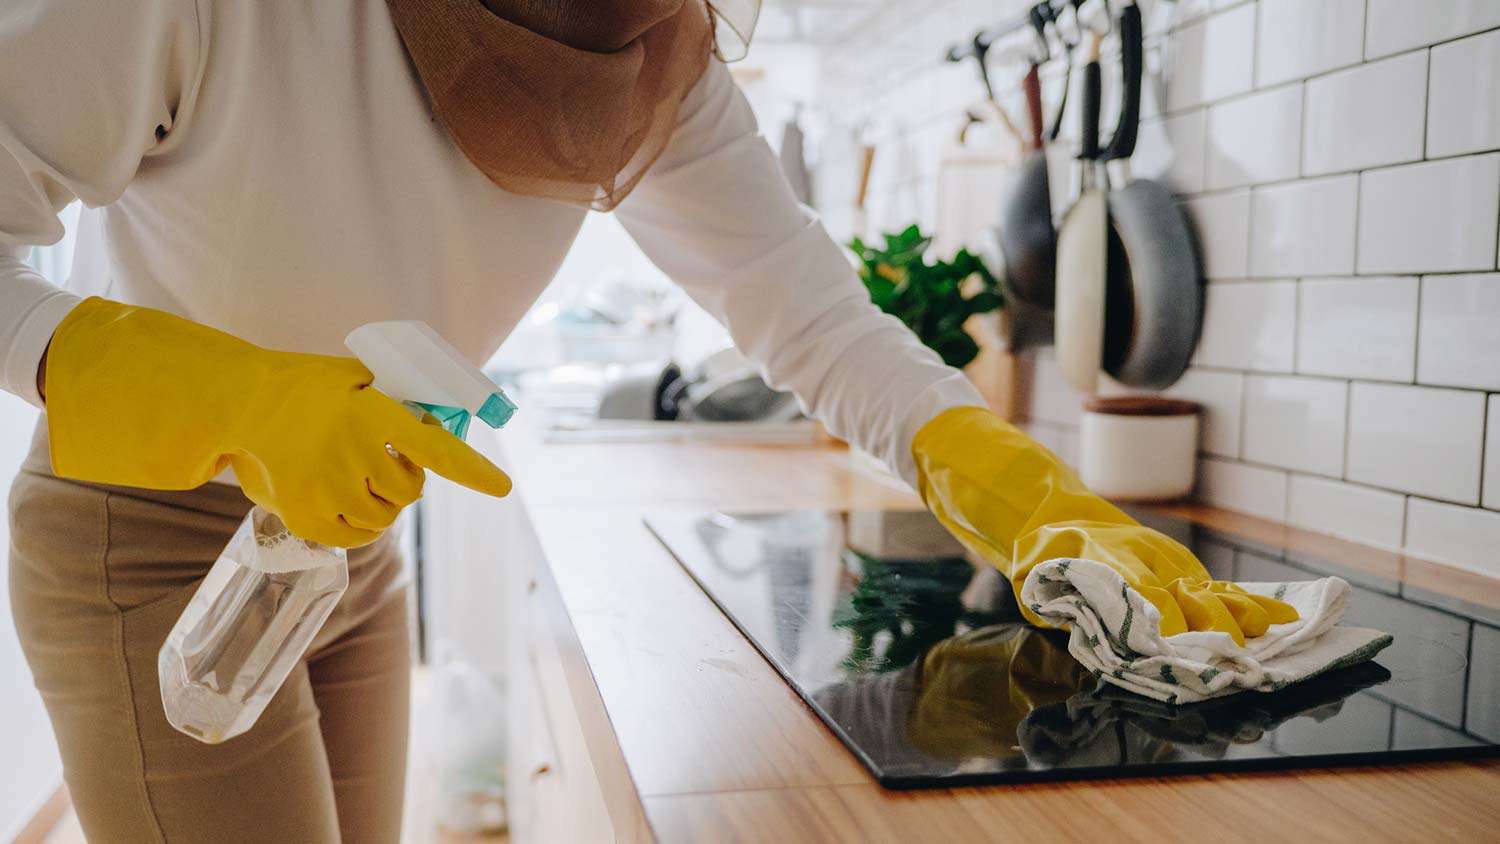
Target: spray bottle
x=259, y=607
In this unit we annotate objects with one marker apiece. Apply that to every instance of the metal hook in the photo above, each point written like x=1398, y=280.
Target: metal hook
x=1039, y=15
x=981, y=54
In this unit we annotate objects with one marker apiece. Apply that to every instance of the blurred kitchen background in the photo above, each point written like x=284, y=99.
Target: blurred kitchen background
x=1338, y=161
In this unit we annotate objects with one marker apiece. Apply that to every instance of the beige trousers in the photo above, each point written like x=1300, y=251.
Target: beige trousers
x=99, y=574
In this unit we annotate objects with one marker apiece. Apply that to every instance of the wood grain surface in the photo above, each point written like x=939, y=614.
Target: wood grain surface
x=718, y=747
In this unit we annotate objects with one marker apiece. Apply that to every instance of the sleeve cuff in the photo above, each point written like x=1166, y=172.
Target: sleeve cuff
x=30, y=339
x=955, y=390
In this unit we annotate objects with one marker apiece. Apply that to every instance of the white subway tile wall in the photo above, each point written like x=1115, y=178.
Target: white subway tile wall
x=1302, y=37
x=1340, y=163
x=1213, y=59
x=1358, y=327
x=1396, y=25
x=1366, y=116
x=1171, y=150
x=1219, y=394
x=1465, y=92
x=1460, y=344
x=1462, y=535
x=1222, y=223
x=1254, y=139
x=1347, y=510
x=1249, y=325
x=1304, y=228
x=1422, y=440
x=1295, y=423
x=1240, y=486
x=1438, y=216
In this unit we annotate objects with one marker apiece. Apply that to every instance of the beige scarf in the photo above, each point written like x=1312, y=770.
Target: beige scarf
x=562, y=99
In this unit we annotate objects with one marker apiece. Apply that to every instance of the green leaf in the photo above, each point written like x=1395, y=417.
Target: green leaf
x=956, y=348
x=983, y=303
x=927, y=296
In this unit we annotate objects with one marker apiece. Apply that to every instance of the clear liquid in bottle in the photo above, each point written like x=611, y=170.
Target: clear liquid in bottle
x=251, y=620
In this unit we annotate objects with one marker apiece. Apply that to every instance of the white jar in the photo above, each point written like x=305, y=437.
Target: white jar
x=1139, y=448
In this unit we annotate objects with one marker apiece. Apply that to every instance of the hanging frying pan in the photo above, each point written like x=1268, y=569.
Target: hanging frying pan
x=1156, y=300
x=1026, y=238
x=1082, y=250
x=1025, y=233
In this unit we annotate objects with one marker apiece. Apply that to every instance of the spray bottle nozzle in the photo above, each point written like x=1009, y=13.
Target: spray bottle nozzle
x=495, y=412
x=414, y=365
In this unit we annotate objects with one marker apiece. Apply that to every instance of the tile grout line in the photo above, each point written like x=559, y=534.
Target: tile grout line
x=1348, y=429
x=1335, y=174
x=1484, y=445
x=1427, y=104
x=1416, y=337
x=1244, y=415
x=1364, y=32
x=1364, y=485
x=1405, y=516
x=1255, y=45
x=1360, y=379
x=1297, y=325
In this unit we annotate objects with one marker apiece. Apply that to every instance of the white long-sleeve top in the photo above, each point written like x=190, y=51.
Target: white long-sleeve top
x=272, y=168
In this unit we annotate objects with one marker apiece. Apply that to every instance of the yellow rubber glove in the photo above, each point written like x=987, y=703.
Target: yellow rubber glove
x=1016, y=504
x=143, y=398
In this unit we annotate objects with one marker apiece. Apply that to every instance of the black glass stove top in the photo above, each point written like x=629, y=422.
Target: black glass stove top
x=918, y=660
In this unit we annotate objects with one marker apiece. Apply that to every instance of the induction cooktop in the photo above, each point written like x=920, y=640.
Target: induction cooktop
x=916, y=657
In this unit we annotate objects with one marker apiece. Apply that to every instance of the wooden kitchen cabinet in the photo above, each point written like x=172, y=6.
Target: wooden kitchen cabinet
x=556, y=777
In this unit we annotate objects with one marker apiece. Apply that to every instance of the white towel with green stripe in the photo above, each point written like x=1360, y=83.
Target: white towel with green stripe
x=1116, y=633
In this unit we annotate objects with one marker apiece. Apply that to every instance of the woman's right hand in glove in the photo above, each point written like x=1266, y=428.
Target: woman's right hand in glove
x=143, y=398
x=1014, y=503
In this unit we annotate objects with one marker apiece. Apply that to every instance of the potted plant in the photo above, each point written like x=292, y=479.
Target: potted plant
x=933, y=298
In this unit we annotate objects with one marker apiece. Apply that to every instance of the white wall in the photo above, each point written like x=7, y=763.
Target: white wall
x=1341, y=160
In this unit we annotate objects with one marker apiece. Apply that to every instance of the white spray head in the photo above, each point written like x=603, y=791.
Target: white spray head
x=412, y=363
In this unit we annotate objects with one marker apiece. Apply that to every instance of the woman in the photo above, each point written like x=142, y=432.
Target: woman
x=263, y=176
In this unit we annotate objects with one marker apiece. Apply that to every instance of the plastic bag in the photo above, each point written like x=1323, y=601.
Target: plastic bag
x=467, y=757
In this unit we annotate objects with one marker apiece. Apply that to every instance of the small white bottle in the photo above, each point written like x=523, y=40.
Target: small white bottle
x=267, y=596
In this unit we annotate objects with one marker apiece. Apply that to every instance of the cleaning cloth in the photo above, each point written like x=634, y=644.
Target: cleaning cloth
x=1116, y=633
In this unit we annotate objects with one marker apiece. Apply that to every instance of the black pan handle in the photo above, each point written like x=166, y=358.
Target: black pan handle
x=1132, y=64
x=1088, y=138
x=1049, y=14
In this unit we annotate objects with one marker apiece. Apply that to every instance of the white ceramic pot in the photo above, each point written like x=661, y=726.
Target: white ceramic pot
x=1139, y=448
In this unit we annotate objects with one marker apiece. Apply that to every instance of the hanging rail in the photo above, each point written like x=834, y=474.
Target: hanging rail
x=1046, y=11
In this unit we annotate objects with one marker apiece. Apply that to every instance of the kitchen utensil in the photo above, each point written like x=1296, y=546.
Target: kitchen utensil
x=1027, y=240
x=1156, y=299
x=978, y=49
x=968, y=177
x=1138, y=448
x=969, y=174
x=725, y=387
x=861, y=221
x=793, y=160
x=1082, y=246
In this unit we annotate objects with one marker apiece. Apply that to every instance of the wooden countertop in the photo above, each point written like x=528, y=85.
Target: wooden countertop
x=717, y=747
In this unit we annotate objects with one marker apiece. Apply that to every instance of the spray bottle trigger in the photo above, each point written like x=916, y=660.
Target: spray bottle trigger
x=455, y=420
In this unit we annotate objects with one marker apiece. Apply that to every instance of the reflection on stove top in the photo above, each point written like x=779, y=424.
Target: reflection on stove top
x=916, y=656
